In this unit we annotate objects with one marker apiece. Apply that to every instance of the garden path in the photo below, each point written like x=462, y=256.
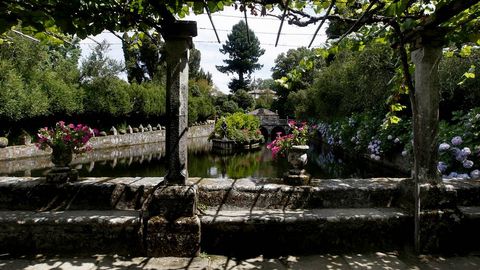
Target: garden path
x=378, y=260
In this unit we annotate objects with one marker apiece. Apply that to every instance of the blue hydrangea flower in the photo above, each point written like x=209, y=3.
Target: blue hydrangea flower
x=466, y=151
x=457, y=140
x=467, y=164
x=475, y=174
x=441, y=166
x=444, y=147
x=463, y=176
x=453, y=175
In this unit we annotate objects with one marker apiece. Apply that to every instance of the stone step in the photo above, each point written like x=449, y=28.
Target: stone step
x=69, y=232
x=274, y=231
x=321, y=193
x=96, y=193
x=468, y=235
x=468, y=192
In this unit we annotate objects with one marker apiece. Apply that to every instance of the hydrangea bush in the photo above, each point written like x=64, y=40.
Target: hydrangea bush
x=74, y=137
x=459, y=147
x=364, y=134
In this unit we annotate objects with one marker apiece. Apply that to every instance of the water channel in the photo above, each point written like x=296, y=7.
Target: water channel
x=149, y=161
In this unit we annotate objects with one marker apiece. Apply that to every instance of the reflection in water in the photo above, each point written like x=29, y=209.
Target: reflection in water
x=149, y=161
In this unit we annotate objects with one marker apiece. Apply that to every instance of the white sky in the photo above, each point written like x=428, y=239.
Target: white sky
x=265, y=29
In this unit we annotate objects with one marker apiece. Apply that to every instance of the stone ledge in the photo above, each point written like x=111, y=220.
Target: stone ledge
x=292, y=216
x=276, y=232
x=76, y=232
x=328, y=193
x=101, y=193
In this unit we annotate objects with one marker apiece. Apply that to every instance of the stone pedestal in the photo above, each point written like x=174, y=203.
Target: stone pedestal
x=60, y=175
x=173, y=228
x=297, y=157
x=296, y=177
x=179, y=237
x=438, y=219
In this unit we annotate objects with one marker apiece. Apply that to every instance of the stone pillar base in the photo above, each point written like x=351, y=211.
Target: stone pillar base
x=60, y=175
x=296, y=177
x=178, y=238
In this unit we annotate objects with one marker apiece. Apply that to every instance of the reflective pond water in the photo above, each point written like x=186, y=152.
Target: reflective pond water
x=149, y=160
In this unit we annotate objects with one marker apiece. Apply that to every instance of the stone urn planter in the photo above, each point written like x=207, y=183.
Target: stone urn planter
x=61, y=172
x=297, y=157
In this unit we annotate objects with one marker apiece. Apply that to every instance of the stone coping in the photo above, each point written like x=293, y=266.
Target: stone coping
x=128, y=193
x=305, y=215
x=105, y=142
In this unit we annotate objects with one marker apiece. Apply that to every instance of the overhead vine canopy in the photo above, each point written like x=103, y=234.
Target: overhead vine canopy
x=459, y=18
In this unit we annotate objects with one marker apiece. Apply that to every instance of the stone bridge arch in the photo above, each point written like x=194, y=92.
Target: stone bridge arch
x=270, y=123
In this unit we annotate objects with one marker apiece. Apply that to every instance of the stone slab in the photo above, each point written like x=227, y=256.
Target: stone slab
x=67, y=232
x=276, y=231
x=328, y=193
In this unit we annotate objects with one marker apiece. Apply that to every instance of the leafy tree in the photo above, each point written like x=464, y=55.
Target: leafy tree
x=354, y=82
x=148, y=99
x=243, y=49
x=107, y=96
x=298, y=67
x=244, y=100
x=143, y=56
x=45, y=84
x=457, y=91
x=98, y=64
x=200, y=101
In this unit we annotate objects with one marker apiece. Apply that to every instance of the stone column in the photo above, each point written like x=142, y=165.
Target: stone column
x=425, y=121
x=173, y=227
x=178, y=41
x=434, y=204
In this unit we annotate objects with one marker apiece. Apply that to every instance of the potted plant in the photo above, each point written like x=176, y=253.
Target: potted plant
x=294, y=146
x=64, y=140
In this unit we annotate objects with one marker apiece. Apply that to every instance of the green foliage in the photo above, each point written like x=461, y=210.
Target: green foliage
x=200, y=101
x=294, y=71
x=148, y=99
x=142, y=52
x=18, y=101
x=244, y=51
x=41, y=85
x=353, y=82
x=108, y=96
x=97, y=64
x=244, y=100
x=456, y=95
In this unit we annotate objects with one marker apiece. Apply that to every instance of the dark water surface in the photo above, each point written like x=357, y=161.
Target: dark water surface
x=202, y=162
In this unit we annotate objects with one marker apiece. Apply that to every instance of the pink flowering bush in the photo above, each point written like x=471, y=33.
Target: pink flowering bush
x=300, y=135
x=74, y=137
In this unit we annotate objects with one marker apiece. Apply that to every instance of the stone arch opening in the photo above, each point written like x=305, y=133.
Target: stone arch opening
x=264, y=133
x=277, y=131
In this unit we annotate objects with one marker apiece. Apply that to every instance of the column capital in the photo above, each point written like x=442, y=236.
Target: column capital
x=179, y=30
x=429, y=38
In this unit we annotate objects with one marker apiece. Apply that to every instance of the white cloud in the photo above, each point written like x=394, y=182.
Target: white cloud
x=265, y=29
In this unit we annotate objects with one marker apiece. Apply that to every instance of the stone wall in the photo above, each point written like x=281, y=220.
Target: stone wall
x=111, y=141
